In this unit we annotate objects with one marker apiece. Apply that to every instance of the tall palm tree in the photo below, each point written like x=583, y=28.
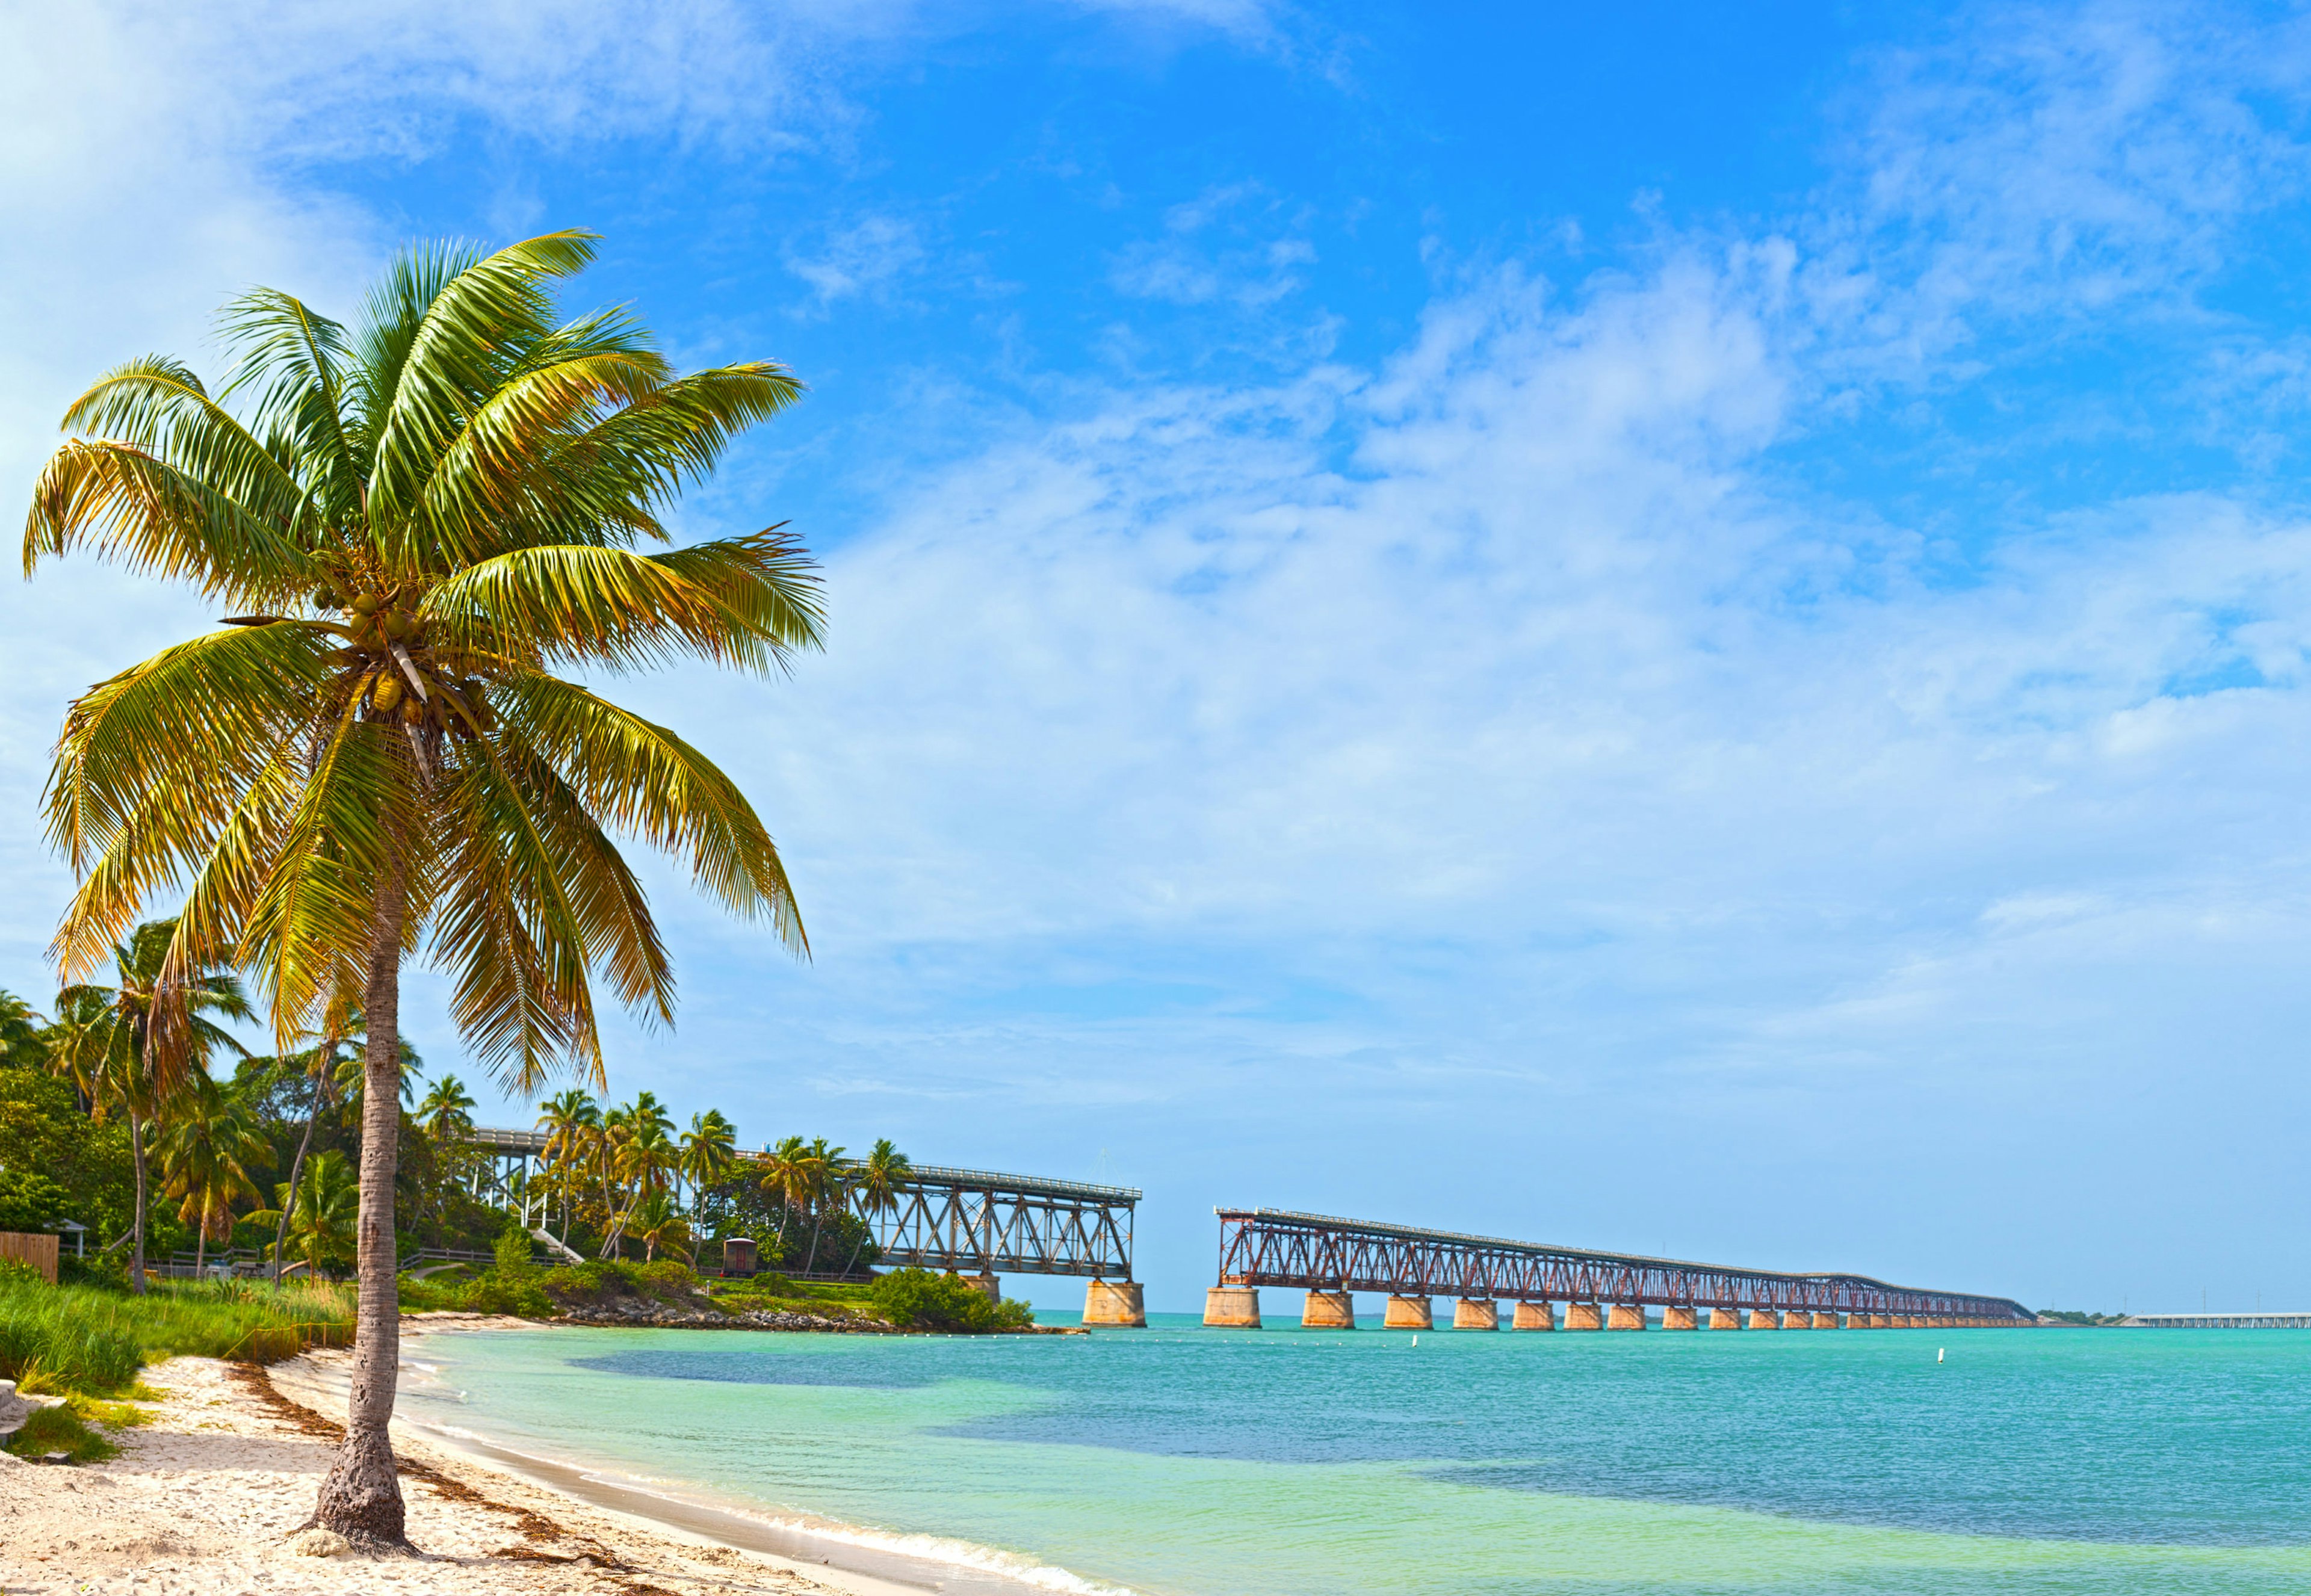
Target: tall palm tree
x=825, y=1184
x=416, y=524
x=205, y=1156
x=708, y=1149
x=875, y=1186
x=569, y=1119
x=786, y=1181
x=118, y=1054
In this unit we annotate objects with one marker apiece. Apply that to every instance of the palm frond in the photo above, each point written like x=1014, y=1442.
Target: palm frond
x=129, y=505
x=642, y=779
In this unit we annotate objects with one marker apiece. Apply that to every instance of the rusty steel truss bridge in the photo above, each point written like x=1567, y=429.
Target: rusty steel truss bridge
x=1274, y=1247
x=975, y=1222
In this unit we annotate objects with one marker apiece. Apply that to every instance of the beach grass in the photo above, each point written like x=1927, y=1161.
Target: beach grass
x=88, y=1342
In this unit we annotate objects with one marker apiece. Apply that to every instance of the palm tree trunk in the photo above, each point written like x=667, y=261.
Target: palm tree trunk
x=136, y=1248
x=201, y=1244
x=361, y=1497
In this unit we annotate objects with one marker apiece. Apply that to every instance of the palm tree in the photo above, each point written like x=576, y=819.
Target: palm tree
x=204, y=1158
x=874, y=1185
x=643, y=1159
x=416, y=525
x=786, y=1181
x=657, y=1223
x=708, y=1149
x=447, y=1112
x=322, y=1212
x=21, y=1047
x=824, y=1183
x=117, y=1052
x=570, y=1118
x=341, y=1025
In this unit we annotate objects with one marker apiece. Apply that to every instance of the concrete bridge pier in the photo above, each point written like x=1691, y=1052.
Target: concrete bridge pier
x=990, y=1287
x=1116, y=1302
x=1765, y=1319
x=1233, y=1307
x=1409, y=1313
x=1627, y=1316
x=1476, y=1313
x=1584, y=1316
x=1674, y=1317
x=1329, y=1309
x=1725, y=1319
x=1825, y=1321
x=1534, y=1316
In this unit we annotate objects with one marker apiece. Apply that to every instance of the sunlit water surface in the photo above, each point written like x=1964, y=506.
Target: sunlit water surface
x=1290, y=1462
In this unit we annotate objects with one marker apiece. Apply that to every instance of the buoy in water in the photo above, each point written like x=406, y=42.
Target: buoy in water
x=1938, y=1354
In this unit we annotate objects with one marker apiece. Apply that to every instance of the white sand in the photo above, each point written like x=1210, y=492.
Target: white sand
x=203, y=1502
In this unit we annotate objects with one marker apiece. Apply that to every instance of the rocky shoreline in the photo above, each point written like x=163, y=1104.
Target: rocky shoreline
x=633, y=1313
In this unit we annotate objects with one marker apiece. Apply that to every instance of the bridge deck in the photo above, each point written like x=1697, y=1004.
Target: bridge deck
x=2219, y=1321
x=1279, y=1247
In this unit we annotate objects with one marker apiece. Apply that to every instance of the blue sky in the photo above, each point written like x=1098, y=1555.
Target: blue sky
x=1669, y=630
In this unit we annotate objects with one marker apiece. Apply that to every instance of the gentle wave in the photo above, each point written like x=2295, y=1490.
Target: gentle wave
x=947, y=1550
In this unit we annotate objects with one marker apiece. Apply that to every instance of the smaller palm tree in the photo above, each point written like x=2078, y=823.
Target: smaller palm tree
x=447, y=1112
x=825, y=1185
x=655, y=1222
x=708, y=1149
x=342, y=1027
x=321, y=1212
x=570, y=1119
x=205, y=1156
x=112, y=1056
x=874, y=1185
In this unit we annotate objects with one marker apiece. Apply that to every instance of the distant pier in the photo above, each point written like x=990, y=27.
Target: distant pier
x=2217, y=1321
x=1331, y=1259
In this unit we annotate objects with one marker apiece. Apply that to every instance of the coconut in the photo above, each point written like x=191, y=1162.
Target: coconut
x=324, y=598
x=388, y=693
x=398, y=625
x=367, y=604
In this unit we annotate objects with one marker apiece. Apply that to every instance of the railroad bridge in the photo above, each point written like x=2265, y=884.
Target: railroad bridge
x=1332, y=1259
x=975, y=1222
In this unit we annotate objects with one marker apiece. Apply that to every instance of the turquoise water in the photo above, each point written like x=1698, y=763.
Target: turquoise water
x=1182, y=1462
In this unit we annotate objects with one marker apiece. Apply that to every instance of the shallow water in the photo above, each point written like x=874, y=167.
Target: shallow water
x=1182, y=1462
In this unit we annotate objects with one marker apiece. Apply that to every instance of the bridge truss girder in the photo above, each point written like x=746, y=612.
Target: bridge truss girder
x=1268, y=1247
x=995, y=1225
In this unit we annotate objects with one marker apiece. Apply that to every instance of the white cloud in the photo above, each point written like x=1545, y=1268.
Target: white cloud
x=869, y=257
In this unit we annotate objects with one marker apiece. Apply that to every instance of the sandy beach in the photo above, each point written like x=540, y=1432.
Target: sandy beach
x=207, y=1497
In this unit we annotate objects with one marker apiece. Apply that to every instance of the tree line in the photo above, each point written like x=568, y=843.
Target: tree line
x=266, y=1159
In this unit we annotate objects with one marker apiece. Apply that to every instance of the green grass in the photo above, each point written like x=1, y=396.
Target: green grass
x=61, y=1429
x=87, y=1341
x=776, y=1294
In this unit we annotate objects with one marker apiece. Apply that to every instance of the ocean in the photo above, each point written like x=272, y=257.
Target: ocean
x=1178, y=1461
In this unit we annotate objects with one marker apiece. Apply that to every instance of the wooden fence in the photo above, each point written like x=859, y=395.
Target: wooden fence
x=39, y=1250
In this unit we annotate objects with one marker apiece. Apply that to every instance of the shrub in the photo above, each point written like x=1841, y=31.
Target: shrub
x=918, y=1299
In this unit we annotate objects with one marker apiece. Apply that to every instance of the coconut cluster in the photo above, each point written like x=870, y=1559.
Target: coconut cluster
x=389, y=645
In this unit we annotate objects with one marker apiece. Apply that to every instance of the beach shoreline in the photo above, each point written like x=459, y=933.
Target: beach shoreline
x=847, y=1557
x=206, y=1498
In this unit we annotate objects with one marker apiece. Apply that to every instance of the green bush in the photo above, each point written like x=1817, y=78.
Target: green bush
x=918, y=1299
